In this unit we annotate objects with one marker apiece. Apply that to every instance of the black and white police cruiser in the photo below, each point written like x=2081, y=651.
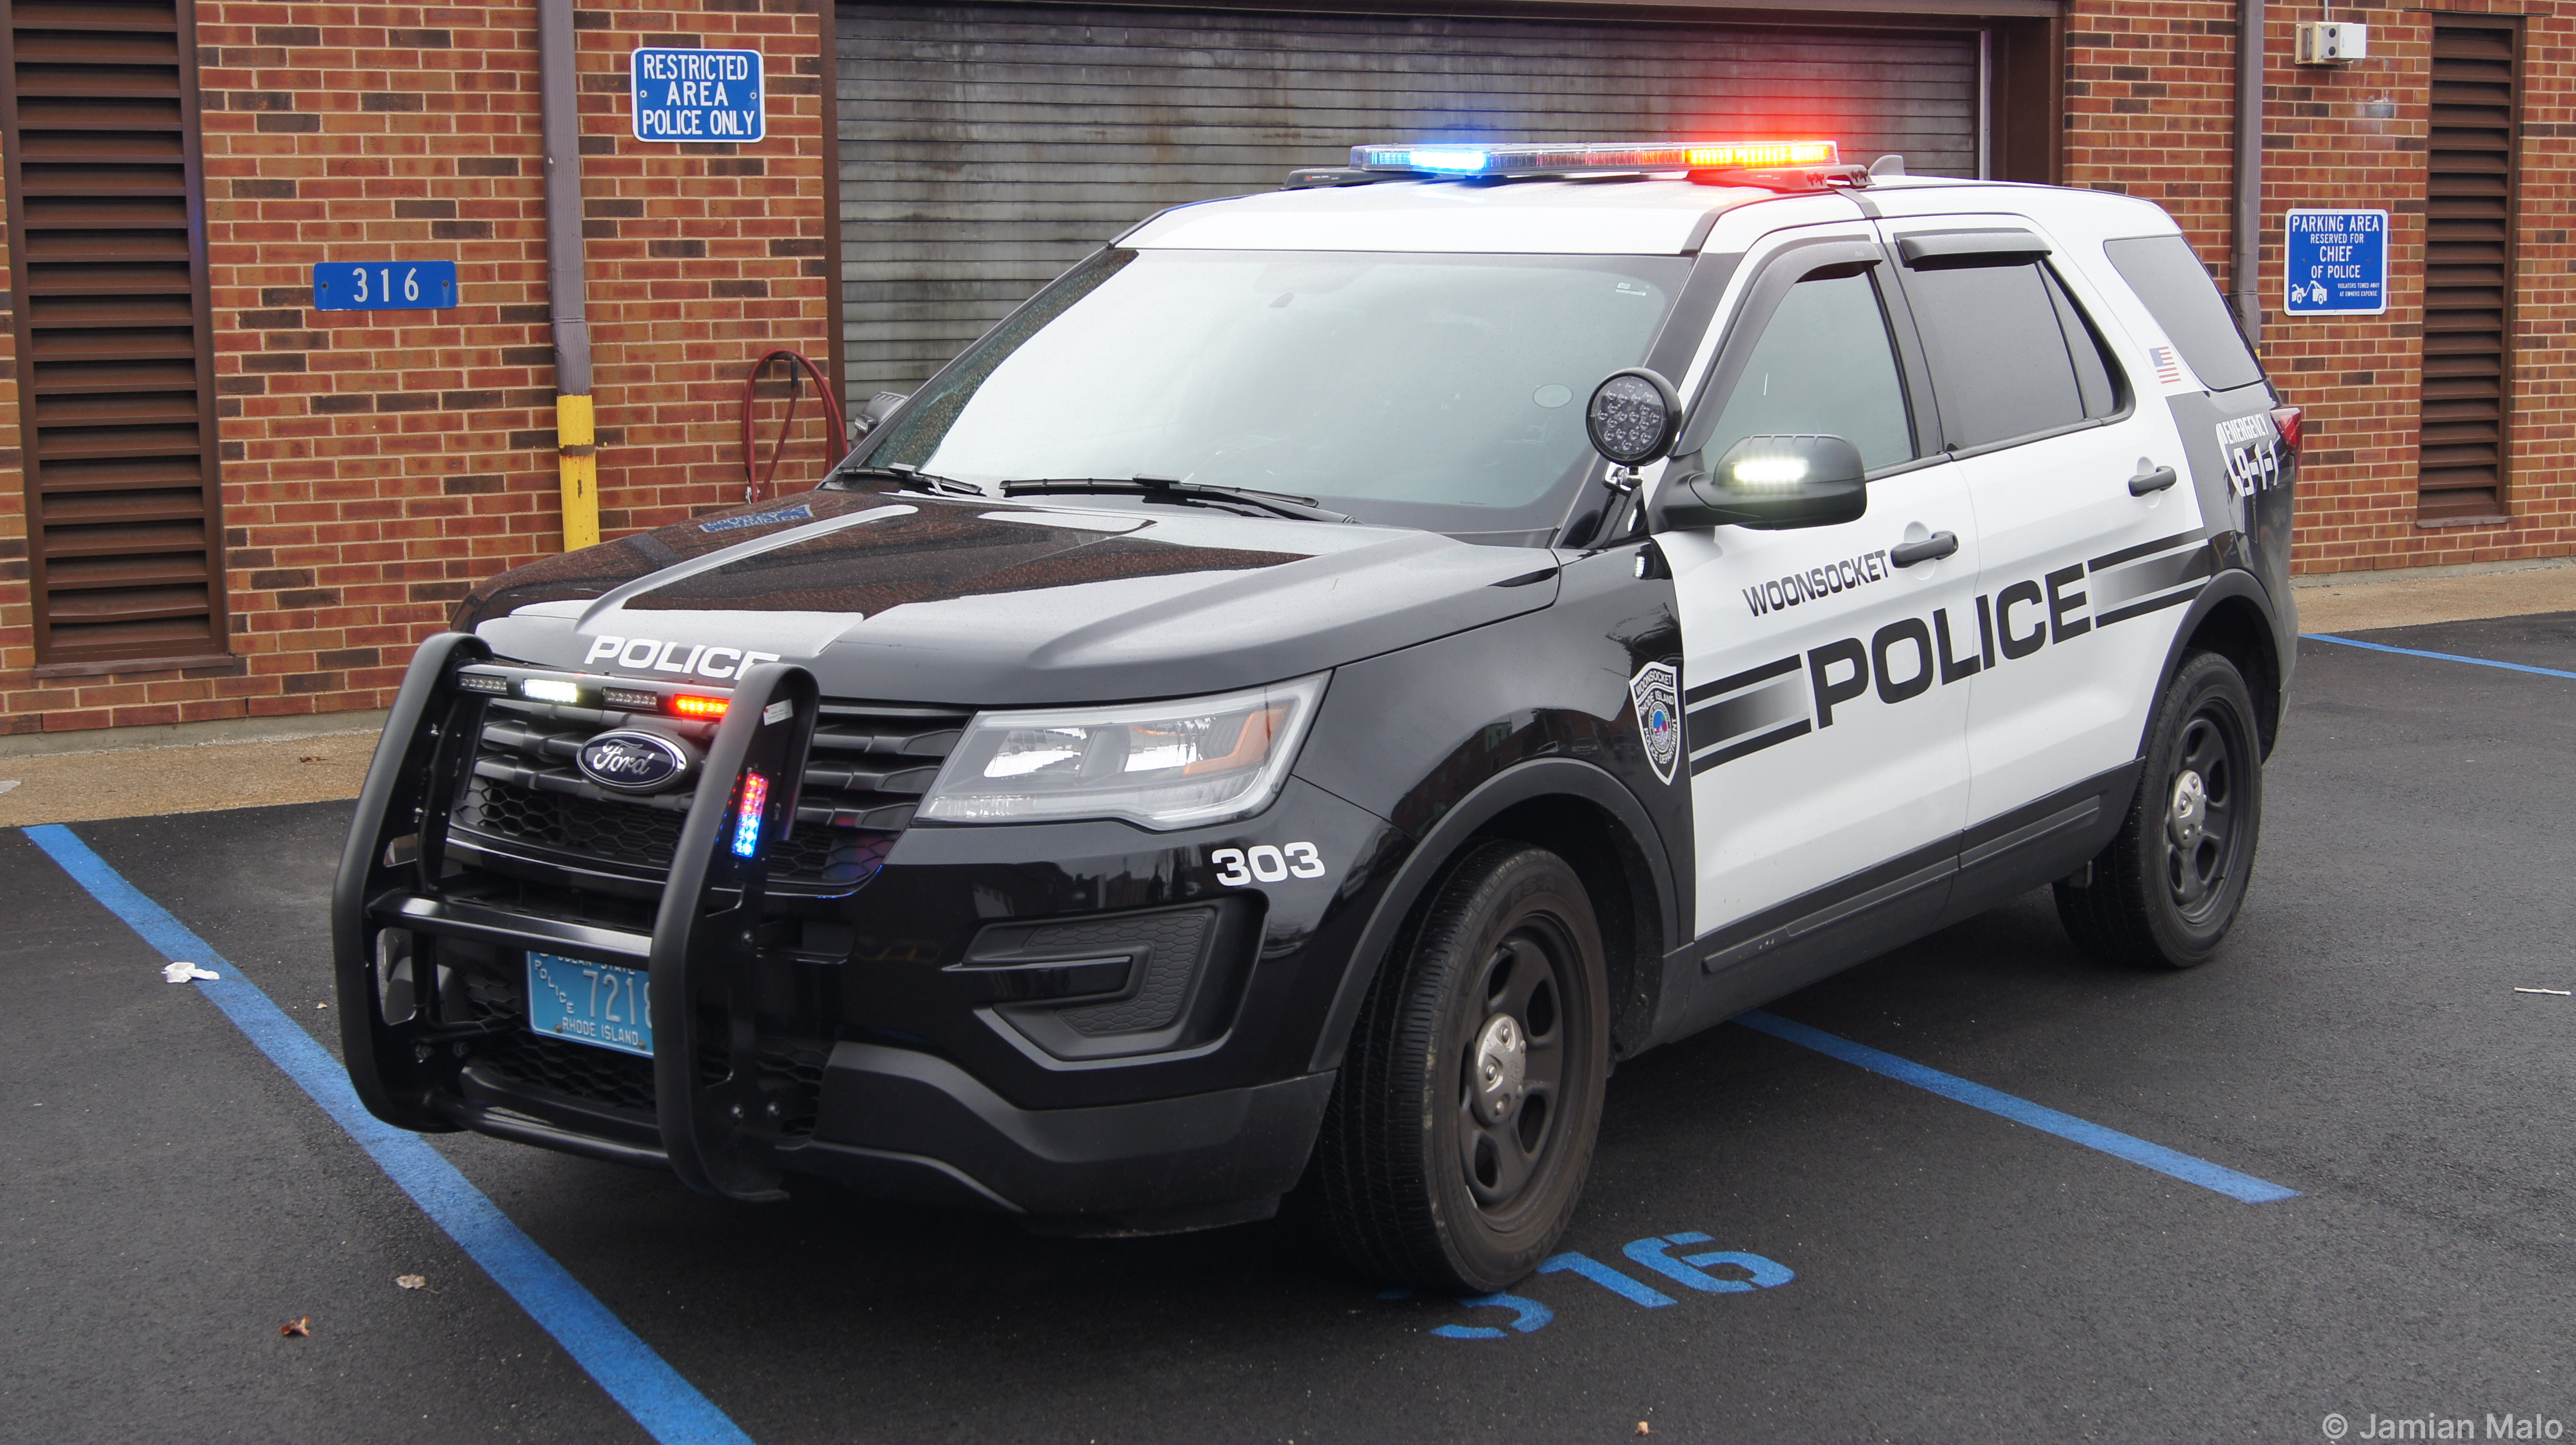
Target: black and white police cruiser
x=1309, y=690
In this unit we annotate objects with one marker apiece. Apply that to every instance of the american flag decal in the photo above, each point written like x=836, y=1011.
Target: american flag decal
x=2168, y=365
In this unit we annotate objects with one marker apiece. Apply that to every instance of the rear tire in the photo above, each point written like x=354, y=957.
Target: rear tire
x=1462, y=1124
x=2164, y=894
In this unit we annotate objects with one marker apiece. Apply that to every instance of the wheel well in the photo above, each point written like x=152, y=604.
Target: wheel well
x=1615, y=873
x=2236, y=630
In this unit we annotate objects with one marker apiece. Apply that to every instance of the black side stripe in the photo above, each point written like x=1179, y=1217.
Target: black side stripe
x=1746, y=678
x=1749, y=746
x=2143, y=549
x=2152, y=604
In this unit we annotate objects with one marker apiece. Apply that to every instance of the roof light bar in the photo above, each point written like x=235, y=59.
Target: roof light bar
x=1540, y=160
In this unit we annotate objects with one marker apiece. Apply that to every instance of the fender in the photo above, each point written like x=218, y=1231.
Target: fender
x=1519, y=783
x=2227, y=585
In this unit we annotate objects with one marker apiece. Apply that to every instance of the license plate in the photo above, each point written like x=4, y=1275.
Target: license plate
x=591, y=1003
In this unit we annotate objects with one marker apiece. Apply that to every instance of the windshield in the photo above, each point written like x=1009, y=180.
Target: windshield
x=1434, y=391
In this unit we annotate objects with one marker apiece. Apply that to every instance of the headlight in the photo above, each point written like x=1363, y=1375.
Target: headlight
x=1161, y=764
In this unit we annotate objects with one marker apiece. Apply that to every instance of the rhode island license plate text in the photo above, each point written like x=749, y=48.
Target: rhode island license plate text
x=590, y=1003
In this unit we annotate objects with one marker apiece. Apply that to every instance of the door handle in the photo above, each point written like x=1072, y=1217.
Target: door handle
x=1939, y=544
x=2150, y=479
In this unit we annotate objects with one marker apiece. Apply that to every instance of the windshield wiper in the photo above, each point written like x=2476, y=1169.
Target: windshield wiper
x=914, y=479
x=1174, y=489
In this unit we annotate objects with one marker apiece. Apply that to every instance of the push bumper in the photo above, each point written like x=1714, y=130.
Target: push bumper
x=890, y=1121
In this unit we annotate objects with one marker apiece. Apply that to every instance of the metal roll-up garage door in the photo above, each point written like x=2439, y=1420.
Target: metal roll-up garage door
x=984, y=148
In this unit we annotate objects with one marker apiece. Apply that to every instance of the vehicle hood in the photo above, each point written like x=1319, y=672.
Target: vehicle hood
x=899, y=597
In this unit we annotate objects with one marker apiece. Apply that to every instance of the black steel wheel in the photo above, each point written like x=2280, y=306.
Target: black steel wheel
x=2168, y=888
x=1462, y=1124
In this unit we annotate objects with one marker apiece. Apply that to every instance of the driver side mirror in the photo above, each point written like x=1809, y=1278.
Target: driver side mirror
x=1768, y=482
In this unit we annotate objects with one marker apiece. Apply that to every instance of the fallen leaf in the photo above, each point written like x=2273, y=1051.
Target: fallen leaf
x=321, y=1005
x=411, y=1281
x=300, y=1326
x=1644, y=1429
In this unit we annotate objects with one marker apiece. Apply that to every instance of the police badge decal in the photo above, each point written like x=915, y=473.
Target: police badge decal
x=1657, y=691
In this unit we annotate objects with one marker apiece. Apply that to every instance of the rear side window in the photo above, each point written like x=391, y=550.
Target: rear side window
x=2011, y=356
x=2186, y=303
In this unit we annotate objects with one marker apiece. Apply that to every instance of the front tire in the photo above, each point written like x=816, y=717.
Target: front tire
x=1462, y=1124
x=2164, y=894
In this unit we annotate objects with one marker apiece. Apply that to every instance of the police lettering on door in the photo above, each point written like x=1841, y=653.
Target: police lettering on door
x=697, y=95
x=1793, y=696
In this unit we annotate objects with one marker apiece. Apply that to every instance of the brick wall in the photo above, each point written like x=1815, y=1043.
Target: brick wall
x=2150, y=111
x=376, y=464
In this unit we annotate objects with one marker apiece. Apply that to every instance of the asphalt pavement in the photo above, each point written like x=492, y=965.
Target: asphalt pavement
x=169, y=1198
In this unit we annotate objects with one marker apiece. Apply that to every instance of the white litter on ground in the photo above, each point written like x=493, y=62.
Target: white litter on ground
x=8, y=784
x=182, y=972
x=2561, y=992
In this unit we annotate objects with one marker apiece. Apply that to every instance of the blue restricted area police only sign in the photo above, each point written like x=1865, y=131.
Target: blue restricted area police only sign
x=2336, y=263
x=698, y=95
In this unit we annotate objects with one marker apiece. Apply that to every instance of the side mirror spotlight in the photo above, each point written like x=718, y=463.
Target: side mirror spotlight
x=1769, y=482
x=874, y=413
x=1634, y=417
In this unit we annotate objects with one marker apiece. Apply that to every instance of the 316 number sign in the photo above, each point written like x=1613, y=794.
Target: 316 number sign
x=383, y=285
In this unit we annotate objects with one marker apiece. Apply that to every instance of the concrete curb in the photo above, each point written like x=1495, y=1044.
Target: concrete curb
x=195, y=734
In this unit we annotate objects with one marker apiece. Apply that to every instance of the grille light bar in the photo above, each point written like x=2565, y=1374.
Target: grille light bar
x=547, y=689
x=688, y=706
x=1539, y=160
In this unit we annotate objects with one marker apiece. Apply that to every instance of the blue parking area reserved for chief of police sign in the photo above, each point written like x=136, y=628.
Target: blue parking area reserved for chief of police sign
x=2337, y=263
x=697, y=95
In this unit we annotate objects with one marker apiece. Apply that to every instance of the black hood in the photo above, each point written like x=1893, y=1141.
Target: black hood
x=898, y=597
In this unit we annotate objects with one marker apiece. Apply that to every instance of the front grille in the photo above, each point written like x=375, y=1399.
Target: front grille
x=864, y=775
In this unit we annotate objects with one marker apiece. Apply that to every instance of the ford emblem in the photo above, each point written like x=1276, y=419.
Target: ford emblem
x=630, y=760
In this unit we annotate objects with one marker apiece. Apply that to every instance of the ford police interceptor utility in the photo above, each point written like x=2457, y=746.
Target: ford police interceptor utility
x=1314, y=686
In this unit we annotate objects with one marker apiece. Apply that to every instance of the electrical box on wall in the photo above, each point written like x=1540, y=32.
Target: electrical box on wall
x=2332, y=42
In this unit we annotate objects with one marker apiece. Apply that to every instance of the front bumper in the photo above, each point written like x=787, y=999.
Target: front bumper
x=898, y=1037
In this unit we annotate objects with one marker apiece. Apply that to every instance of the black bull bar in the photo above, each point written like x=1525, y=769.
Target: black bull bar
x=716, y=1123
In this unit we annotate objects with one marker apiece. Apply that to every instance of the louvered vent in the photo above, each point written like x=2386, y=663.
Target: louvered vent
x=2468, y=273
x=115, y=355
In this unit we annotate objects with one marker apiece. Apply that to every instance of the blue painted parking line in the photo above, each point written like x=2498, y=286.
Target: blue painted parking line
x=668, y=1407
x=2021, y=1111
x=2437, y=656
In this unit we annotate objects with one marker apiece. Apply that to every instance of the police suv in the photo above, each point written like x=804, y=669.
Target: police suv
x=1310, y=689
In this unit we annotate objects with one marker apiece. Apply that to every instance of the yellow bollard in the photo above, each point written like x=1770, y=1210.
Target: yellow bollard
x=574, y=443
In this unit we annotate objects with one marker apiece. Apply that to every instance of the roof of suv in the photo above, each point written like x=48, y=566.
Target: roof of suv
x=1607, y=215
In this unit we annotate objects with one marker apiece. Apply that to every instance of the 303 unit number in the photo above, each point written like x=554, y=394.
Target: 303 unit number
x=1267, y=864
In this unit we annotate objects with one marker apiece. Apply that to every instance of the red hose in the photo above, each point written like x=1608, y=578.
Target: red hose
x=753, y=485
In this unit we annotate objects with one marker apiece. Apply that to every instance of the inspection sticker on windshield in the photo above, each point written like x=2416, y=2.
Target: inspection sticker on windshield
x=591, y=1003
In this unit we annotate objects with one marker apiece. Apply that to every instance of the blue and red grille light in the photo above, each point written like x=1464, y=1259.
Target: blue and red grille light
x=1539, y=160
x=746, y=825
